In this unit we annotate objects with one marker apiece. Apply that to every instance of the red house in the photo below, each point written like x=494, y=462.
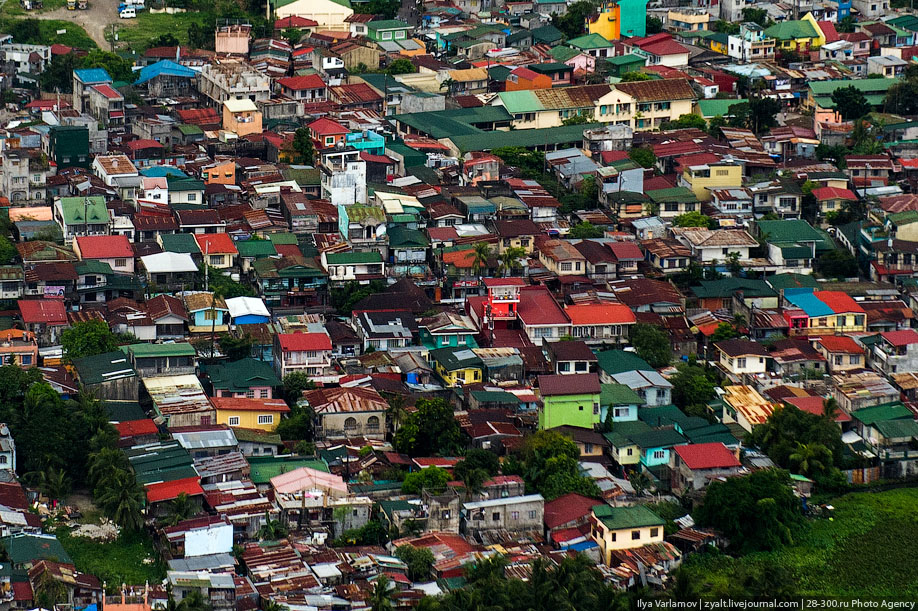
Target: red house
x=327, y=133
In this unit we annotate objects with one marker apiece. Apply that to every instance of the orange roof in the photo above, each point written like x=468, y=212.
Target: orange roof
x=600, y=314
x=840, y=343
x=244, y=404
x=167, y=491
x=459, y=258
x=216, y=243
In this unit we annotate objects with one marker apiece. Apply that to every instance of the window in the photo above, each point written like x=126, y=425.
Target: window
x=564, y=366
x=120, y=262
x=565, y=267
x=613, y=537
x=741, y=362
x=654, y=532
x=192, y=197
x=635, y=535
x=25, y=359
x=721, y=172
x=210, y=315
x=216, y=259
x=387, y=35
x=588, y=448
x=268, y=419
x=250, y=393
x=629, y=452
x=659, y=454
x=514, y=515
x=839, y=360
x=495, y=517
x=350, y=424
x=532, y=515
x=373, y=423
x=329, y=140
x=854, y=359
x=233, y=421
x=620, y=412
x=263, y=393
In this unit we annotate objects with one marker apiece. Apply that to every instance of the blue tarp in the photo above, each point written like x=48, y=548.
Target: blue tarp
x=804, y=299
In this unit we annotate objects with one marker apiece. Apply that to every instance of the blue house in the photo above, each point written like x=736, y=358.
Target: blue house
x=622, y=400
x=204, y=314
x=247, y=310
x=655, y=446
x=166, y=79
x=447, y=330
x=368, y=141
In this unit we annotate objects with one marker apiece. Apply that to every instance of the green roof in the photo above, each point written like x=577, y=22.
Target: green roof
x=672, y=194
x=589, y=41
x=626, y=60
x=791, y=30
x=239, y=376
x=282, y=239
x=353, y=258
x=257, y=436
x=903, y=218
x=897, y=429
x=618, y=394
x=123, y=411
x=794, y=231
x=663, y=415
x=547, y=33
x=388, y=24
x=878, y=413
x=256, y=248
x=142, y=351
x=549, y=67
x=714, y=107
x=619, y=361
x=520, y=101
x=189, y=130
x=619, y=518
x=180, y=243
x=447, y=123
x=665, y=438
x=303, y=176
x=276, y=4
x=77, y=209
x=93, y=266
x=402, y=237
x=184, y=183
x=28, y=549
x=456, y=358
x=562, y=53
x=263, y=468
x=779, y=282
x=795, y=252
x=390, y=507
x=874, y=89
x=725, y=287
x=526, y=138
x=499, y=73
x=104, y=367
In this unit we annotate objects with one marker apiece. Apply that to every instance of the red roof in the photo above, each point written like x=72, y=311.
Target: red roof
x=492, y=282
x=197, y=116
x=104, y=247
x=813, y=405
x=666, y=46
x=47, y=311
x=327, y=127
x=840, y=343
x=294, y=21
x=288, y=250
x=48, y=104
x=600, y=314
x=13, y=496
x=144, y=143
x=901, y=338
x=612, y=156
x=216, y=243
x=526, y=73
x=167, y=491
x=58, y=49
x=244, y=404
x=298, y=342
x=824, y=193
x=108, y=91
x=22, y=590
x=828, y=30
x=841, y=303
x=538, y=307
x=371, y=158
x=299, y=83
x=707, y=456
x=135, y=428
x=626, y=251
x=567, y=508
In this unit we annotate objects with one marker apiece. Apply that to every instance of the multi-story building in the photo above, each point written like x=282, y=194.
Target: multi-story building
x=232, y=80
x=25, y=175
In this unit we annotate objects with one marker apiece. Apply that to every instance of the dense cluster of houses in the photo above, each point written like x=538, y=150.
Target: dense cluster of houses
x=305, y=176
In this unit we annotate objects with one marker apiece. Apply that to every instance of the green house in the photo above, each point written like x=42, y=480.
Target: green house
x=448, y=330
x=387, y=29
x=69, y=145
x=82, y=216
x=622, y=64
x=569, y=400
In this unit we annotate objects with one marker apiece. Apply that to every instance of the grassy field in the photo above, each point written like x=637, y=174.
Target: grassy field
x=137, y=33
x=868, y=549
x=117, y=562
x=12, y=8
x=75, y=36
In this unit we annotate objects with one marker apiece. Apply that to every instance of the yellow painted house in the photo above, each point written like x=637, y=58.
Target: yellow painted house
x=701, y=179
x=258, y=414
x=616, y=528
x=645, y=105
x=457, y=366
x=799, y=35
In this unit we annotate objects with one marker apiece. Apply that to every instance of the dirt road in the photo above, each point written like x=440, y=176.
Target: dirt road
x=95, y=20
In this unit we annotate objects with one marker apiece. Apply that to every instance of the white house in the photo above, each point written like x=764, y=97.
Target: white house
x=715, y=244
x=741, y=356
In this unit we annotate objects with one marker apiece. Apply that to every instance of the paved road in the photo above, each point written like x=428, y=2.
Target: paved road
x=95, y=20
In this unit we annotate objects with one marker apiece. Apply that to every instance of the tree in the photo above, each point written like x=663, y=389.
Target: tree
x=164, y=40
x=122, y=499
x=200, y=36
x=53, y=483
x=104, y=463
x=396, y=410
x=298, y=426
x=850, y=102
x=292, y=35
x=49, y=592
x=687, y=121
x=757, y=15
x=87, y=338
x=571, y=21
x=585, y=230
x=652, y=344
x=901, y=98
x=811, y=459
x=420, y=560
x=8, y=252
x=303, y=147
x=778, y=436
x=530, y=163
x=432, y=478
x=654, y=25
x=578, y=119
x=476, y=459
x=639, y=481
x=401, y=66
x=430, y=430
x=509, y=260
x=236, y=348
x=379, y=597
x=694, y=219
x=723, y=332
x=756, y=512
x=293, y=386
x=846, y=25
x=271, y=530
x=480, y=255
x=758, y=114
x=837, y=263
x=725, y=27
x=180, y=509
x=193, y=601
x=550, y=466
x=384, y=9
x=642, y=156
x=55, y=75
x=635, y=75
x=693, y=388
x=830, y=409
x=117, y=67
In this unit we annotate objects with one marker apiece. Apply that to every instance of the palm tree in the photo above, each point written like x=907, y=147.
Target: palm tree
x=448, y=84
x=122, y=499
x=830, y=409
x=379, y=597
x=273, y=605
x=811, y=458
x=193, y=602
x=272, y=530
x=49, y=592
x=639, y=481
x=103, y=462
x=510, y=259
x=472, y=480
x=396, y=410
x=52, y=482
x=480, y=256
x=180, y=509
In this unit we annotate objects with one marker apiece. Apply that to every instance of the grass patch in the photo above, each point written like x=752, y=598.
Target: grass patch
x=137, y=33
x=75, y=36
x=868, y=549
x=12, y=8
x=115, y=562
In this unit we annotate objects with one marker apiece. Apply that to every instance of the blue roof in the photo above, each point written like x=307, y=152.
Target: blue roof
x=93, y=75
x=160, y=171
x=167, y=67
x=806, y=300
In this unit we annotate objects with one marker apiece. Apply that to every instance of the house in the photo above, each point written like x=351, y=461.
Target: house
x=86, y=216
x=562, y=258
x=218, y=249
x=108, y=376
x=207, y=313
x=694, y=466
x=600, y=323
x=45, y=318
x=522, y=78
x=79, y=589
x=746, y=407
x=569, y=399
x=387, y=29
x=856, y=390
x=258, y=414
x=798, y=35
x=869, y=170
x=308, y=88
x=659, y=50
x=169, y=270
x=832, y=199
x=385, y=330
x=246, y=377
x=540, y=316
x=151, y=360
x=327, y=133
x=667, y=255
x=572, y=357
x=457, y=366
x=622, y=528
x=812, y=312
x=309, y=352
x=247, y=310
x=113, y=250
x=241, y=117
x=711, y=245
x=348, y=412
x=169, y=317
x=620, y=367
x=447, y=329
x=841, y=352
x=896, y=352
x=622, y=400
x=509, y=514
x=19, y=348
x=742, y=357
x=590, y=442
x=704, y=178
x=569, y=510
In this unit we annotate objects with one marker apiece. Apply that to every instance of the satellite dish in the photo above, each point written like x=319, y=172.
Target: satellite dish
x=380, y=231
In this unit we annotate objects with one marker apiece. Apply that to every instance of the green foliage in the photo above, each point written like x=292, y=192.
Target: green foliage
x=303, y=147
x=724, y=331
x=758, y=114
x=165, y=40
x=117, y=67
x=837, y=263
x=44, y=32
x=755, y=512
x=695, y=219
x=271, y=530
x=652, y=344
x=757, y=15
x=8, y=252
x=236, y=348
x=549, y=464
x=87, y=339
x=578, y=119
x=654, y=25
x=725, y=27
x=642, y=156
x=635, y=75
x=293, y=386
x=529, y=162
x=687, y=121
x=585, y=230
x=571, y=21
x=129, y=559
x=181, y=508
x=371, y=533
x=384, y=9
x=787, y=426
x=693, y=388
x=902, y=98
x=477, y=459
x=846, y=26
x=850, y=102
x=119, y=496
x=420, y=560
x=401, y=66
x=346, y=297
x=432, y=479
x=429, y=431
x=221, y=284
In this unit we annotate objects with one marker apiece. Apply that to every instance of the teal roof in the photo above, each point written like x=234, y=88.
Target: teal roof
x=619, y=361
x=672, y=194
x=29, y=549
x=626, y=60
x=402, y=237
x=793, y=231
x=123, y=411
x=520, y=101
x=874, y=89
x=105, y=367
x=665, y=438
x=780, y=282
x=717, y=107
x=239, y=376
x=447, y=123
x=452, y=359
x=388, y=24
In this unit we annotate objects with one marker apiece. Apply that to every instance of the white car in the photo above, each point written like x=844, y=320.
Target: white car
x=128, y=13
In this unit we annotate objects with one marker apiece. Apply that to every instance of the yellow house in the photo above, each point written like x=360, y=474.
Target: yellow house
x=516, y=233
x=259, y=414
x=701, y=179
x=457, y=366
x=616, y=528
x=241, y=117
x=645, y=105
x=797, y=35
x=330, y=14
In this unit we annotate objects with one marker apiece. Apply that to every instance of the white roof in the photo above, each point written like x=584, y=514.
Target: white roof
x=240, y=105
x=165, y=262
x=242, y=306
x=507, y=500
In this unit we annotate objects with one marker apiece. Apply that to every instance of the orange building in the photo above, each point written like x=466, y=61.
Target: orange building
x=523, y=78
x=220, y=173
x=241, y=117
x=18, y=347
